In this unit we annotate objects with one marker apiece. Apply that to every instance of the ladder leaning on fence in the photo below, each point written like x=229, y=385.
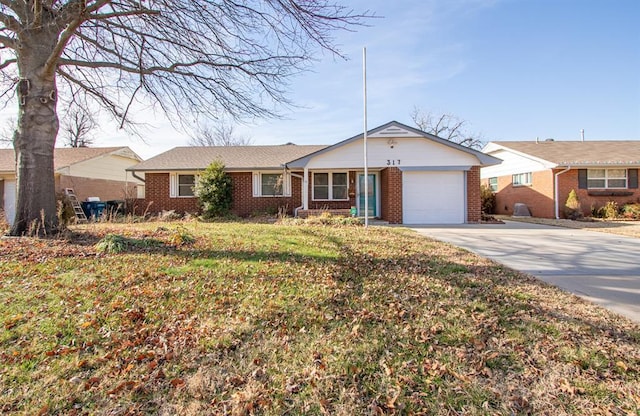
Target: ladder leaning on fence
x=77, y=208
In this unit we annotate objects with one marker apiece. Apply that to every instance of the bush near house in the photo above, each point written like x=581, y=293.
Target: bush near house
x=214, y=190
x=572, y=209
x=488, y=198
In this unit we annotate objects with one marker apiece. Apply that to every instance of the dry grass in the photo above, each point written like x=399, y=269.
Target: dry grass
x=627, y=228
x=269, y=319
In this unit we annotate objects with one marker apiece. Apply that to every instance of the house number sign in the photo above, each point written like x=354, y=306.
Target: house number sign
x=393, y=162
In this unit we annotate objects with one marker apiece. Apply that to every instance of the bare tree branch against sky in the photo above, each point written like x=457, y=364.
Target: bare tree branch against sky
x=183, y=56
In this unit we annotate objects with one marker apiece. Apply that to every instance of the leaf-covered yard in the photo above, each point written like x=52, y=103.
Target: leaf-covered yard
x=275, y=319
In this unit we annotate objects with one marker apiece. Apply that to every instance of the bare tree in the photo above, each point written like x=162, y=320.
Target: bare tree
x=77, y=128
x=448, y=127
x=209, y=56
x=7, y=132
x=219, y=134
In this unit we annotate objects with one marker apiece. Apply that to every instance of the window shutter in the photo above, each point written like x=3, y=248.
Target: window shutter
x=173, y=185
x=256, y=184
x=633, y=178
x=287, y=185
x=582, y=178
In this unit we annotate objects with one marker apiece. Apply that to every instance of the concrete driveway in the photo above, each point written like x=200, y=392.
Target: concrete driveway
x=602, y=268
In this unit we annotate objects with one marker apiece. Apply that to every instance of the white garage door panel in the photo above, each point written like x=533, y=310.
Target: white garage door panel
x=433, y=197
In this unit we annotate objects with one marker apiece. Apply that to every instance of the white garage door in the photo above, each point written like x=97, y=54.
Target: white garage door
x=10, y=200
x=433, y=197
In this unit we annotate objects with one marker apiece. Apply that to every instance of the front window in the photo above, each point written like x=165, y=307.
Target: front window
x=521, y=179
x=607, y=178
x=330, y=186
x=493, y=184
x=186, y=184
x=271, y=184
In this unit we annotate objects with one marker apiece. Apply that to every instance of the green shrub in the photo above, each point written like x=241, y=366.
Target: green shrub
x=610, y=210
x=488, y=198
x=572, y=208
x=112, y=244
x=214, y=191
x=631, y=211
x=181, y=237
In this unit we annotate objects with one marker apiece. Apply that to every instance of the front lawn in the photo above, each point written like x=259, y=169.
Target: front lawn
x=275, y=319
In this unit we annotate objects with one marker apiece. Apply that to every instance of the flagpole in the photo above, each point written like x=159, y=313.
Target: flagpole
x=366, y=168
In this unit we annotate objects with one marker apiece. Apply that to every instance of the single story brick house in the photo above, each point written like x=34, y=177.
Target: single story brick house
x=541, y=174
x=413, y=177
x=89, y=171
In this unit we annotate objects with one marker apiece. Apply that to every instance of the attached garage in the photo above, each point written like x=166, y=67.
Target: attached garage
x=433, y=197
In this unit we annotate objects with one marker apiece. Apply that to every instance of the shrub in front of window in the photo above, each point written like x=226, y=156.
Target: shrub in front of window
x=214, y=191
x=631, y=211
x=488, y=199
x=610, y=210
x=572, y=208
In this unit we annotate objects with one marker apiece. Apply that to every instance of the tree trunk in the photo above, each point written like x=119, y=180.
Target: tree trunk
x=35, y=137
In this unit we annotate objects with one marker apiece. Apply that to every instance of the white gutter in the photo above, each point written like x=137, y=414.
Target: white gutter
x=557, y=192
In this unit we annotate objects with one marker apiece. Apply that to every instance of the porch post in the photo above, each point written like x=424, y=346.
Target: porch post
x=305, y=189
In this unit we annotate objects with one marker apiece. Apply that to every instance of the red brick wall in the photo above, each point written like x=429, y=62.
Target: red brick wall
x=538, y=197
x=391, y=195
x=569, y=180
x=328, y=205
x=157, y=197
x=243, y=205
x=106, y=190
x=474, y=200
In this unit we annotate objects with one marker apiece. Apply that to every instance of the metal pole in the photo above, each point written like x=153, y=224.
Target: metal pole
x=366, y=168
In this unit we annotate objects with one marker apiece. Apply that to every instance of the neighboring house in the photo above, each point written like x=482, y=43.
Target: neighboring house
x=89, y=171
x=541, y=174
x=414, y=177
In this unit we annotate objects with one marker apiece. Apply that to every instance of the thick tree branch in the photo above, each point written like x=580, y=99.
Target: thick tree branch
x=7, y=62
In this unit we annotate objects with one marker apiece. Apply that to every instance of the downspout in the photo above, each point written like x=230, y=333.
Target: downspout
x=557, y=192
x=133, y=173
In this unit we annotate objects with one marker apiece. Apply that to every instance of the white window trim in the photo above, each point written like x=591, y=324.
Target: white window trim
x=606, y=179
x=173, y=184
x=489, y=183
x=257, y=184
x=330, y=185
x=529, y=183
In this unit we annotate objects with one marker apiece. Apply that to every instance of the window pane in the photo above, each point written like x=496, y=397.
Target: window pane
x=186, y=184
x=321, y=192
x=339, y=179
x=493, y=184
x=617, y=183
x=595, y=173
x=186, y=179
x=340, y=192
x=595, y=183
x=271, y=184
x=617, y=173
x=321, y=179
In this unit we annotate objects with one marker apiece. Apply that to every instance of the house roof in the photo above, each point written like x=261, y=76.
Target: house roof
x=233, y=157
x=394, y=129
x=575, y=153
x=66, y=156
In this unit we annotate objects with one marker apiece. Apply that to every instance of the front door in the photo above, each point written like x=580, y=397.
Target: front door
x=371, y=196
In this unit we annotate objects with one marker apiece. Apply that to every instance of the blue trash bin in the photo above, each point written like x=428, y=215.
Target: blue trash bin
x=93, y=209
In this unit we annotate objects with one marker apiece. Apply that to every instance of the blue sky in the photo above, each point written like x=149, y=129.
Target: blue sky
x=513, y=69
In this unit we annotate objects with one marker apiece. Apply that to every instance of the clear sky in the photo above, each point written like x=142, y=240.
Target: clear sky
x=513, y=69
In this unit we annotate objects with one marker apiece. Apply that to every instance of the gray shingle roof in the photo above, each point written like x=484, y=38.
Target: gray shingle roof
x=233, y=157
x=63, y=156
x=573, y=153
